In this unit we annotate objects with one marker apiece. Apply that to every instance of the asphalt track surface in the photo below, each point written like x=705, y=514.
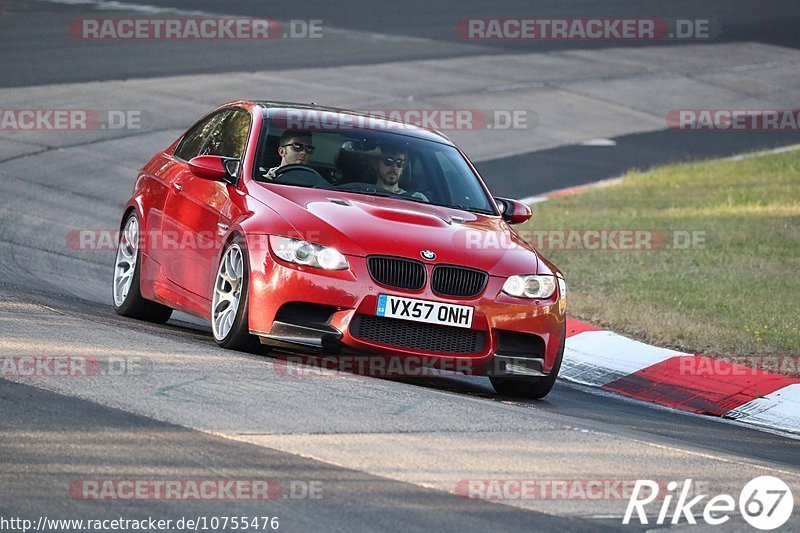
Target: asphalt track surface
x=387, y=453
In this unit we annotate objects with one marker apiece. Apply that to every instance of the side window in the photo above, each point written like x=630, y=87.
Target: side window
x=229, y=138
x=193, y=141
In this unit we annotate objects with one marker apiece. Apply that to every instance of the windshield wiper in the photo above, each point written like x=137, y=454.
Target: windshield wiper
x=384, y=194
x=465, y=208
x=303, y=185
x=389, y=194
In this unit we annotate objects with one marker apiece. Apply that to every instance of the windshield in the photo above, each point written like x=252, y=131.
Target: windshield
x=369, y=162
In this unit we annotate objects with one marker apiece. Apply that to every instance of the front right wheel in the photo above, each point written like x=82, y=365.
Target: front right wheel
x=527, y=387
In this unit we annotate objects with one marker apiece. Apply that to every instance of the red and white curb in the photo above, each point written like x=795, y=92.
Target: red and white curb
x=684, y=381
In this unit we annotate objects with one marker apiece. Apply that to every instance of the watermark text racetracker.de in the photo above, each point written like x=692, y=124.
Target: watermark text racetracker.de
x=206, y=489
x=742, y=365
x=734, y=119
x=598, y=239
x=105, y=239
x=546, y=489
x=204, y=28
x=583, y=29
x=71, y=366
x=96, y=240
x=374, y=365
x=72, y=119
x=402, y=118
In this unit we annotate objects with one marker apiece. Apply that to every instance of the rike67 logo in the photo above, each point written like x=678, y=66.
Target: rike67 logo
x=765, y=503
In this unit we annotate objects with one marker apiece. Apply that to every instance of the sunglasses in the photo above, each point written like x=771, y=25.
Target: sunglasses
x=389, y=161
x=299, y=147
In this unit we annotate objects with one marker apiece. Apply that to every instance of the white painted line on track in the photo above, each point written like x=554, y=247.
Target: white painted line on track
x=598, y=142
x=761, y=153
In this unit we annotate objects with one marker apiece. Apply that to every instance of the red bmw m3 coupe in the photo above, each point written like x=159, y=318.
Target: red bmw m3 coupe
x=327, y=231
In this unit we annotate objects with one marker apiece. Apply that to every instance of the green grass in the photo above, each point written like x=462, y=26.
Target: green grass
x=737, y=294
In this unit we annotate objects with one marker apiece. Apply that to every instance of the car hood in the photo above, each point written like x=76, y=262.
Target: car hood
x=361, y=225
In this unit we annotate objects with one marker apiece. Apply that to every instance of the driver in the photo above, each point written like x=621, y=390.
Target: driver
x=391, y=163
x=294, y=148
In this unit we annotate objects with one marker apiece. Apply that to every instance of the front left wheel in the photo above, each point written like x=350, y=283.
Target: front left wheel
x=128, y=299
x=229, y=303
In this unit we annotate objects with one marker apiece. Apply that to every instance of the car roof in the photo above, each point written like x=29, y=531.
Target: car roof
x=376, y=122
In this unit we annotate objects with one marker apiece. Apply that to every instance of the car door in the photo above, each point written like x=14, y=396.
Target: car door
x=198, y=211
x=162, y=176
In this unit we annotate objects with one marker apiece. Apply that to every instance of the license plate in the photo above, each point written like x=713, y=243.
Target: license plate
x=424, y=311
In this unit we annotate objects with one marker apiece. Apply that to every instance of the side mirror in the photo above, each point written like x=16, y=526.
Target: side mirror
x=213, y=167
x=514, y=211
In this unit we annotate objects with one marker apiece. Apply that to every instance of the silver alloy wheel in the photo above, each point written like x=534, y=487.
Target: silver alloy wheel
x=227, y=292
x=125, y=266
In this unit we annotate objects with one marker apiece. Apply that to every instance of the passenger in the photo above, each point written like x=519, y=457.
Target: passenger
x=294, y=148
x=391, y=163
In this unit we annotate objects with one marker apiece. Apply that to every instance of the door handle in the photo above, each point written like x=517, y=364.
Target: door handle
x=178, y=187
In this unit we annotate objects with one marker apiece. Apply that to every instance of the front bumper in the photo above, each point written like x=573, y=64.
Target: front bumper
x=325, y=312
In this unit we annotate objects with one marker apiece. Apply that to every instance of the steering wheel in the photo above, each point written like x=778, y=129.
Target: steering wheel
x=306, y=175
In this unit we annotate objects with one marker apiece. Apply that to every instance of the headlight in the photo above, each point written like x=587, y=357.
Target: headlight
x=306, y=253
x=540, y=287
x=562, y=295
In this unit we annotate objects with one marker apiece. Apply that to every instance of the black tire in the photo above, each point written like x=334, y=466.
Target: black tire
x=533, y=388
x=239, y=337
x=134, y=305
